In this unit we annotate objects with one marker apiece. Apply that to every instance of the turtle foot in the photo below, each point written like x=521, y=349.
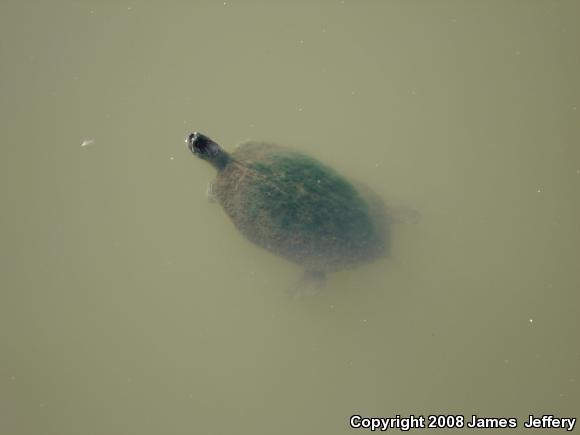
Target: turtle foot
x=309, y=285
x=209, y=193
x=404, y=215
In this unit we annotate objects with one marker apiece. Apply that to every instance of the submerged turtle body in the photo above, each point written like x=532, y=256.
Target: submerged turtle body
x=295, y=206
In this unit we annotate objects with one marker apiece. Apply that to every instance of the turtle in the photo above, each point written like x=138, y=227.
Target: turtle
x=296, y=207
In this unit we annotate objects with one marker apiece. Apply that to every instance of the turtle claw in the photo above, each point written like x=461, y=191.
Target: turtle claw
x=211, y=197
x=309, y=285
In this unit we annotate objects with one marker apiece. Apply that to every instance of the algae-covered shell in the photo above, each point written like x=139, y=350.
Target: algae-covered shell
x=295, y=206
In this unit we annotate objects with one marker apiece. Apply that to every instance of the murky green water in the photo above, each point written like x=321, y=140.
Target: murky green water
x=130, y=305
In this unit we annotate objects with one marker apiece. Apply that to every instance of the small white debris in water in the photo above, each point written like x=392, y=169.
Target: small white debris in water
x=302, y=41
x=364, y=320
x=225, y=3
x=87, y=142
x=171, y=158
x=300, y=109
x=539, y=190
x=318, y=181
x=531, y=321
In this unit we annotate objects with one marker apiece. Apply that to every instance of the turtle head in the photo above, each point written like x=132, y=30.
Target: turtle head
x=206, y=149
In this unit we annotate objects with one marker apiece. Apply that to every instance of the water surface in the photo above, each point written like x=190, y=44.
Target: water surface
x=130, y=305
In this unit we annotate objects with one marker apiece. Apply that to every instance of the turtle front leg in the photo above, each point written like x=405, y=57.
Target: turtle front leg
x=309, y=285
x=209, y=193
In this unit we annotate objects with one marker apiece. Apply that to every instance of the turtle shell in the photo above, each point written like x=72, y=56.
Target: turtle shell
x=296, y=207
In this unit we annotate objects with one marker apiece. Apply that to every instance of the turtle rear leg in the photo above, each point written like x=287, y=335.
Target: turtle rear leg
x=309, y=285
x=404, y=215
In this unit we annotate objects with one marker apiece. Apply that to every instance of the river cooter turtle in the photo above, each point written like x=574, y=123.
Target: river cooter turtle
x=296, y=207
